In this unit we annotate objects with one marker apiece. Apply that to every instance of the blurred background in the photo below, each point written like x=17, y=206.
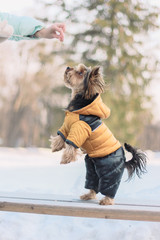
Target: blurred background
x=122, y=36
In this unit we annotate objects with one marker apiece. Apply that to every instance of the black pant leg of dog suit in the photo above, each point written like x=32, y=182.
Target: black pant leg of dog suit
x=92, y=179
x=104, y=174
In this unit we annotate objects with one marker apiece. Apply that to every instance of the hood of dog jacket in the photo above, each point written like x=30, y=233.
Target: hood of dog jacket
x=96, y=108
x=98, y=141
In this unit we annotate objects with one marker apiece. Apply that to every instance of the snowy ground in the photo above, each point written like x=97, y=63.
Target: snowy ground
x=30, y=171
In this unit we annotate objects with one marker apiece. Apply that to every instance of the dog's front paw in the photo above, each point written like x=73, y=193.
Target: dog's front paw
x=83, y=151
x=57, y=143
x=69, y=154
x=65, y=161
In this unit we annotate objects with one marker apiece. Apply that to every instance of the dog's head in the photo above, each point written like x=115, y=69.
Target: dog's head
x=85, y=81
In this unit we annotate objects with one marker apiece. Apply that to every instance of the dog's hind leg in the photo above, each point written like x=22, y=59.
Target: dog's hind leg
x=106, y=201
x=88, y=196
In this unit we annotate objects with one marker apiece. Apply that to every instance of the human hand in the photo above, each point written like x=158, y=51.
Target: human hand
x=56, y=30
x=6, y=30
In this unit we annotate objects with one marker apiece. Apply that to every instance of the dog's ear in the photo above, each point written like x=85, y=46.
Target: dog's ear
x=95, y=71
x=95, y=83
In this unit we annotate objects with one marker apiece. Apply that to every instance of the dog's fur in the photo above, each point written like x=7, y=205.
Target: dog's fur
x=86, y=84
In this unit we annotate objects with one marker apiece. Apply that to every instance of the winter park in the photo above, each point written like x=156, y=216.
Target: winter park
x=79, y=120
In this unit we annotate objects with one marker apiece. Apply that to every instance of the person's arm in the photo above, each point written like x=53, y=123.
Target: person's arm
x=22, y=25
x=29, y=27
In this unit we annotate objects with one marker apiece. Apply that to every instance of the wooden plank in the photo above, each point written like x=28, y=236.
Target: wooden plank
x=89, y=210
x=68, y=198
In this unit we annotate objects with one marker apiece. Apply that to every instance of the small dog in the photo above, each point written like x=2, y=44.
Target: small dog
x=83, y=128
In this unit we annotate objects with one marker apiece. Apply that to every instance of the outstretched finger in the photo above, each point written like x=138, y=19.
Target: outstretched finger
x=62, y=26
x=59, y=37
x=59, y=33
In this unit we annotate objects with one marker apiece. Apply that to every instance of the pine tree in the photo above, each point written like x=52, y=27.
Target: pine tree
x=112, y=34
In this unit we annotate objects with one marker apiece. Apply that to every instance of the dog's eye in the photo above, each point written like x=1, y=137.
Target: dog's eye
x=80, y=73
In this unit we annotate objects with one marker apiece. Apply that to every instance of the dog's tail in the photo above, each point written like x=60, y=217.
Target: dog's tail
x=137, y=165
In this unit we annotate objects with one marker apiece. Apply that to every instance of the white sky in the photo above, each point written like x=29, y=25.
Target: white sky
x=15, y=6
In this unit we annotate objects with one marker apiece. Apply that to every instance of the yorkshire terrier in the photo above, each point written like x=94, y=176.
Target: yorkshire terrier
x=83, y=128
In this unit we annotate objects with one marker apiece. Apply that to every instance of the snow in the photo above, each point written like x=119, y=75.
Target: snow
x=37, y=171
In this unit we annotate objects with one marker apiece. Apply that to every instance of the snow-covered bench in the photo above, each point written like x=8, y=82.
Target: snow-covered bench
x=67, y=206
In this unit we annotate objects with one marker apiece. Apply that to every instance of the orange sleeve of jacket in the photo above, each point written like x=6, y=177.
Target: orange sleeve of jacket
x=62, y=131
x=78, y=134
